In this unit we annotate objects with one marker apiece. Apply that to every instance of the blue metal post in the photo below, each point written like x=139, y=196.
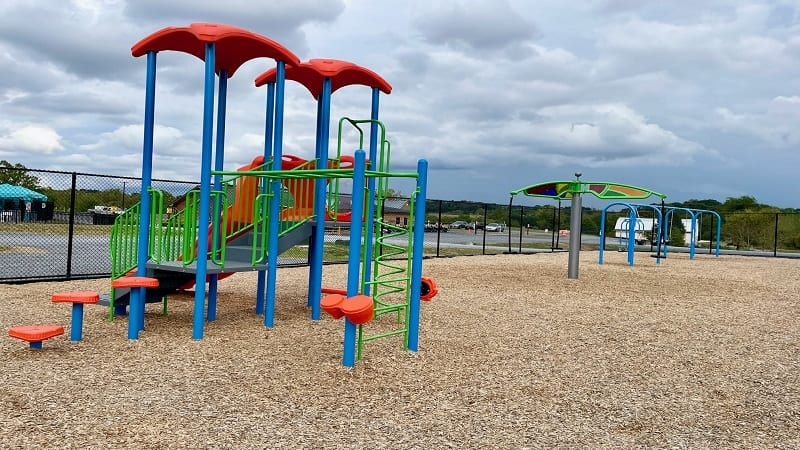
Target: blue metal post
x=320, y=188
x=312, y=247
x=354, y=255
x=262, y=275
x=136, y=302
x=205, y=193
x=602, y=235
x=692, y=235
x=275, y=204
x=76, y=330
x=632, y=220
x=417, y=250
x=219, y=164
x=370, y=222
x=665, y=229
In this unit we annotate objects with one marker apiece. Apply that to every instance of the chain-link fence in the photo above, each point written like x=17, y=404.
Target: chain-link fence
x=471, y=228
x=62, y=230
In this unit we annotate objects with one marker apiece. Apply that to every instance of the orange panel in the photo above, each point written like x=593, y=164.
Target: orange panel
x=35, y=333
x=76, y=297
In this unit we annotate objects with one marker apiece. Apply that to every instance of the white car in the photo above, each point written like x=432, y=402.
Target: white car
x=494, y=227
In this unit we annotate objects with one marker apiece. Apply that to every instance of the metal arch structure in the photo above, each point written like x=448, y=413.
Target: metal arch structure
x=632, y=220
x=572, y=189
x=694, y=214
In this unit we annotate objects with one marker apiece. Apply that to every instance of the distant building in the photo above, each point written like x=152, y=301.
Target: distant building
x=642, y=225
x=396, y=211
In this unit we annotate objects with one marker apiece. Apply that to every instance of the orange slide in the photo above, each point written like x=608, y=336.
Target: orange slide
x=303, y=190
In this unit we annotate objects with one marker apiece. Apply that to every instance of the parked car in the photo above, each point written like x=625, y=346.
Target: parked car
x=435, y=227
x=475, y=225
x=494, y=227
x=458, y=224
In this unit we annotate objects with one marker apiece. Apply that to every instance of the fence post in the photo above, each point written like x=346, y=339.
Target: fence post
x=439, y=229
x=485, y=211
x=510, y=209
x=521, y=226
x=775, y=242
x=71, y=232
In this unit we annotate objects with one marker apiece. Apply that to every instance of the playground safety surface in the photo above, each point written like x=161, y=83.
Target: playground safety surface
x=699, y=353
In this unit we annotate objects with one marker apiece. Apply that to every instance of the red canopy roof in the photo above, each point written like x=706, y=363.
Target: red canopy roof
x=234, y=46
x=342, y=73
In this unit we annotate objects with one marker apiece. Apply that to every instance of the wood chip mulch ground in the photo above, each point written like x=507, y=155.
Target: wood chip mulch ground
x=700, y=353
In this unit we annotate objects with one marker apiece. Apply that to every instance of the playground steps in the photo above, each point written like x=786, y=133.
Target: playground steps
x=174, y=276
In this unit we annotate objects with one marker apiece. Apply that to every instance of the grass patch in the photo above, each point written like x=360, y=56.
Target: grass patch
x=55, y=229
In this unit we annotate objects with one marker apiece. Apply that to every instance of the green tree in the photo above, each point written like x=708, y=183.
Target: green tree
x=391, y=193
x=677, y=235
x=17, y=174
x=744, y=203
x=751, y=228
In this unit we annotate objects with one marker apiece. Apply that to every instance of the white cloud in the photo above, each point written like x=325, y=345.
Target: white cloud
x=776, y=124
x=33, y=138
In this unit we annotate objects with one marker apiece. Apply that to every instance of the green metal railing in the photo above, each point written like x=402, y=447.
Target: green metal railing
x=391, y=261
x=124, y=240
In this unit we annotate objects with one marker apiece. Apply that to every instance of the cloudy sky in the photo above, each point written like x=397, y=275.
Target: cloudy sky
x=695, y=99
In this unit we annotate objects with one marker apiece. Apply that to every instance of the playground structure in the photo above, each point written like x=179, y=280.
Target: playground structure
x=662, y=228
x=695, y=215
x=572, y=189
x=242, y=220
x=632, y=221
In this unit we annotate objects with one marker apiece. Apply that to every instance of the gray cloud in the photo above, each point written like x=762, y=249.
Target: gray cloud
x=280, y=21
x=474, y=25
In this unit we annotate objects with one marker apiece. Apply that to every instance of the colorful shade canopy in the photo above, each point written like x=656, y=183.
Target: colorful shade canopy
x=562, y=190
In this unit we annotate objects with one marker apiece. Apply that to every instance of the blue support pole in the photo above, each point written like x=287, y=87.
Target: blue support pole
x=136, y=301
x=275, y=204
x=205, y=193
x=416, y=259
x=268, y=123
x=692, y=235
x=665, y=229
x=370, y=222
x=219, y=163
x=313, y=244
x=354, y=255
x=320, y=189
x=602, y=235
x=631, y=233
x=76, y=329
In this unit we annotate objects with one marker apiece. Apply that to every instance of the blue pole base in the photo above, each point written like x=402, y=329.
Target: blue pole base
x=36, y=345
x=76, y=330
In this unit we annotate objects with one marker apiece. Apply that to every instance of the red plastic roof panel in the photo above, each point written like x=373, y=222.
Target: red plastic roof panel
x=234, y=46
x=342, y=73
